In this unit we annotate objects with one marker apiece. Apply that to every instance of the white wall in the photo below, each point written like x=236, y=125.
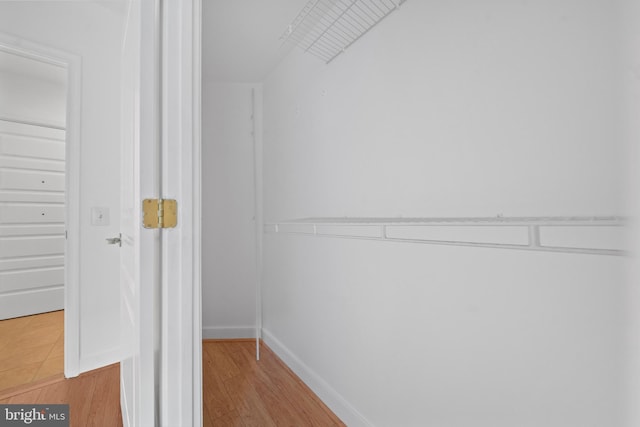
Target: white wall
x=452, y=109
x=20, y=91
x=472, y=108
x=631, y=79
x=93, y=32
x=229, y=206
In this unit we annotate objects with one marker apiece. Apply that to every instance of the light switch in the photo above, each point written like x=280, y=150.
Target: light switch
x=99, y=216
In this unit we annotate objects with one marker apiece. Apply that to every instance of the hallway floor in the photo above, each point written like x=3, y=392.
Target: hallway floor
x=93, y=397
x=31, y=348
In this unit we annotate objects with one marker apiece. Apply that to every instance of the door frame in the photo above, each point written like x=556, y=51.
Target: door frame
x=73, y=64
x=181, y=352
x=167, y=342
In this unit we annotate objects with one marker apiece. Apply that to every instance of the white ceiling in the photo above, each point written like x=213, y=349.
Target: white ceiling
x=241, y=38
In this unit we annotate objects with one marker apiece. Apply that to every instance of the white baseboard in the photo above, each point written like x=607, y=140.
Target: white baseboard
x=343, y=409
x=99, y=360
x=225, y=333
x=25, y=303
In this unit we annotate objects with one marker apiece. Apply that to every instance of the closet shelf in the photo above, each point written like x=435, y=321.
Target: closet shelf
x=596, y=235
x=326, y=28
x=495, y=220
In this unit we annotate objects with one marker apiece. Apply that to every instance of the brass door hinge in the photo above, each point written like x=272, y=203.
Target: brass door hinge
x=159, y=213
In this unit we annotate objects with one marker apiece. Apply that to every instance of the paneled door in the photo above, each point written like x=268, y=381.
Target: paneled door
x=139, y=252
x=32, y=219
x=160, y=369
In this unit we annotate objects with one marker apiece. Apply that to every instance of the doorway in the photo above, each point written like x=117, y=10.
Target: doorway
x=36, y=213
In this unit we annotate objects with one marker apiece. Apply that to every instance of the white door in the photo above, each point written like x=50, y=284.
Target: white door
x=139, y=253
x=32, y=219
x=161, y=372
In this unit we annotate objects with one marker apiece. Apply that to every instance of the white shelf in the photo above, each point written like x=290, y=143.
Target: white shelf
x=326, y=28
x=495, y=220
x=597, y=235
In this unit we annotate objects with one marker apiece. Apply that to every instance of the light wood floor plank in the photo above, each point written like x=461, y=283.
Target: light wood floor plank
x=277, y=403
x=31, y=349
x=82, y=394
x=232, y=419
x=93, y=397
x=238, y=392
x=105, y=403
x=249, y=404
x=35, y=385
x=265, y=392
x=18, y=375
x=224, y=365
x=30, y=396
x=20, y=356
x=217, y=402
x=51, y=366
x=58, y=348
x=310, y=408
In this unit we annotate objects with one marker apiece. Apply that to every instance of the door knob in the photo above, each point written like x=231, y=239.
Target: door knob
x=115, y=240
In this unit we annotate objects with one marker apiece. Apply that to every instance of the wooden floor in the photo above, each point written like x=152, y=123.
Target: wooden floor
x=238, y=391
x=31, y=349
x=93, y=397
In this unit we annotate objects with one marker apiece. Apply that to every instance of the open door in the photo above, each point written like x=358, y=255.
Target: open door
x=161, y=372
x=140, y=248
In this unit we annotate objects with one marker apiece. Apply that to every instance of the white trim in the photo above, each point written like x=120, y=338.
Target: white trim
x=197, y=406
x=92, y=361
x=58, y=126
x=73, y=64
x=338, y=404
x=226, y=333
x=139, y=257
x=73, y=250
x=180, y=387
x=22, y=303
